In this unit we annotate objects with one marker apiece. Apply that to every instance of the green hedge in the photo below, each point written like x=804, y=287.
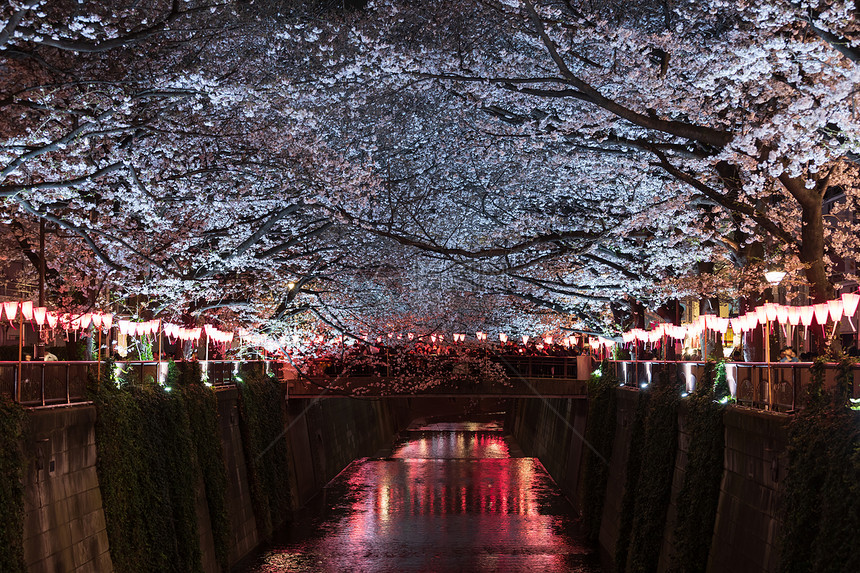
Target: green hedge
x=262, y=423
x=654, y=488
x=147, y=473
x=821, y=500
x=12, y=428
x=700, y=493
x=599, y=434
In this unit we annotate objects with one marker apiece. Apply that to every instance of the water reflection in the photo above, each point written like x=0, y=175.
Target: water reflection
x=449, y=498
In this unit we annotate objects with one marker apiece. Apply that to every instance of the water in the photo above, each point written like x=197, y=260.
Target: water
x=453, y=497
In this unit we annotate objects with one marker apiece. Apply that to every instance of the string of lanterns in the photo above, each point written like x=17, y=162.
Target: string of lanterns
x=786, y=316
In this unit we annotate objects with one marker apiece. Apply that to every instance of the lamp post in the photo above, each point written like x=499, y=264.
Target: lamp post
x=774, y=278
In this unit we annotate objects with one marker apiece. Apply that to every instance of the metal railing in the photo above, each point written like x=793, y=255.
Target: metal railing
x=47, y=383
x=777, y=386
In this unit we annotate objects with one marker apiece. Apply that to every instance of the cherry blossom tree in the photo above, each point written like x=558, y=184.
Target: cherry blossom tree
x=426, y=166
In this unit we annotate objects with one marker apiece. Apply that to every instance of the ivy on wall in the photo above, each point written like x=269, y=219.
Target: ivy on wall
x=12, y=428
x=821, y=500
x=262, y=424
x=202, y=405
x=146, y=466
x=600, y=433
x=654, y=488
x=700, y=492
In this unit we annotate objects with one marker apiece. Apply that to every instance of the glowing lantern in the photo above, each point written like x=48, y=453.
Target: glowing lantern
x=410, y=336
x=781, y=314
x=97, y=320
x=503, y=338
x=594, y=343
x=806, y=314
x=433, y=338
x=547, y=340
x=761, y=314
x=39, y=315
x=821, y=311
x=835, y=307
x=850, y=301
x=107, y=320
x=525, y=339
x=793, y=315
x=124, y=326
x=53, y=318
x=86, y=319
x=737, y=325
x=628, y=337
x=11, y=309
x=27, y=310
x=770, y=311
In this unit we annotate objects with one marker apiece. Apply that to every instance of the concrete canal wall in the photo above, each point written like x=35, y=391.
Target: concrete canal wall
x=747, y=524
x=64, y=523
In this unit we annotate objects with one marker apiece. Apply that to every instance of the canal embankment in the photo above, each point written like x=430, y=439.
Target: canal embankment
x=745, y=527
x=145, y=476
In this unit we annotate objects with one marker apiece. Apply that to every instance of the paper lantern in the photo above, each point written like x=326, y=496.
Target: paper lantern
x=806, y=314
x=627, y=337
x=752, y=319
x=547, y=340
x=433, y=338
x=722, y=325
x=850, y=301
x=736, y=325
x=97, y=320
x=53, y=318
x=781, y=314
x=107, y=320
x=39, y=315
x=525, y=339
x=11, y=309
x=835, y=307
x=761, y=314
x=770, y=311
x=793, y=315
x=410, y=336
x=594, y=343
x=503, y=338
x=27, y=310
x=821, y=311
x=124, y=326
x=86, y=319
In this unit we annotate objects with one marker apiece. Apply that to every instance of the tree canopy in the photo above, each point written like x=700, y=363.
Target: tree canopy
x=469, y=164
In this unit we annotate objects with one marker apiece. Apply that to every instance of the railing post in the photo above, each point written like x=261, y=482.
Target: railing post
x=42, y=368
x=68, y=390
x=17, y=386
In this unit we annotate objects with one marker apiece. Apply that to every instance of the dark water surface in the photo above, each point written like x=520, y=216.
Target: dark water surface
x=450, y=497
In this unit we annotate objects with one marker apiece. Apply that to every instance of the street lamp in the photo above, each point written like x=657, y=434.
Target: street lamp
x=774, y=278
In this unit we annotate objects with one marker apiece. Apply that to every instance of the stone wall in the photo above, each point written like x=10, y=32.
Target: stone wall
x=747, y=528
x=610, y=523
x=550, y=430
x=747, y=524
x=243, y=528
x=64, y=524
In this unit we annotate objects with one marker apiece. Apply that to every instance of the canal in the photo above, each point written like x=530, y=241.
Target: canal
x=449, y=496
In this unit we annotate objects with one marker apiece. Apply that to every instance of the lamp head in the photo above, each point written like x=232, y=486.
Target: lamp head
x=774, y=277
